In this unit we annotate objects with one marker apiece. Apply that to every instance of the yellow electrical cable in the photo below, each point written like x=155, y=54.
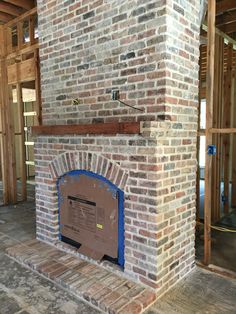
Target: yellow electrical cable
x=222, y=229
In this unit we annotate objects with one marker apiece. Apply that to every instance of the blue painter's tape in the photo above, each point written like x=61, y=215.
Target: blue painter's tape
x=115, y=192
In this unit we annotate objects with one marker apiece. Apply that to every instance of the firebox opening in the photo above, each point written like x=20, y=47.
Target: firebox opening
x=91, y=215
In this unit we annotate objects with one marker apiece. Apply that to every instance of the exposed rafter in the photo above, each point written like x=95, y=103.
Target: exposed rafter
x=4, y=17
x=225, y=5
x=229, y=28
x=10, y=9
x=14, y=9
x=26, y=4
x=227, y=38
x=226, y=18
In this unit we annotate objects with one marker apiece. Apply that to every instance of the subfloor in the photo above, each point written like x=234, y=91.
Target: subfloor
x=30, y=191
x=223, y=249
x=223, y=243
x=23, y=291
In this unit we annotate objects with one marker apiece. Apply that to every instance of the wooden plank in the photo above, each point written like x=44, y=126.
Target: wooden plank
x=2, y=46
x=233, y=197
x=9, y=147
x=4, y=17
x=31, y=30
x=219, y=156
x=226, y=124
x=22, y=152
x=223, y=130
x=226, y=18
x=214, y=211
x=21, y=71
x=11, y=154
x=227, y=38
x=10, y=9
x=26, y=50
x=228, y=28
x=22, y=17
x=218, y=270
x=26, y=4
x=220, y=106
x=3, y=137
x=201, y=132
x=8, y=40
x=38, y=87
x=209, y=110
x=225, y=5
x=19, y=35
x=96, y=128
x=198, y=141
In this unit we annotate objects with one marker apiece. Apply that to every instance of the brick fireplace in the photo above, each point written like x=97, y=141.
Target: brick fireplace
x=148, y=50
x=91, y=209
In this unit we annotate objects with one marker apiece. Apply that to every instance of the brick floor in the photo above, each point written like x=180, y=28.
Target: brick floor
x=96, y=285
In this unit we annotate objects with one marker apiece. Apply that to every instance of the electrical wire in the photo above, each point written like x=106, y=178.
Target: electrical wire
x=222, y=229
x=123, y=103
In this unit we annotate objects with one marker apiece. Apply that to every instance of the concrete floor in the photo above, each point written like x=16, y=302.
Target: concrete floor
x=223, y=249
x=22, y=291
x=223, y=243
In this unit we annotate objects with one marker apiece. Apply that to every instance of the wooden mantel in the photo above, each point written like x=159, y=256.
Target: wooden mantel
x=96, y=128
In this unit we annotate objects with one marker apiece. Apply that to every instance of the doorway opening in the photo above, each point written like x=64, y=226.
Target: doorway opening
x=216, y=145
x=20, y=106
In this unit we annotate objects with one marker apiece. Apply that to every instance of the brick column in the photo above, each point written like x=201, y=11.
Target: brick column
x=149, y=51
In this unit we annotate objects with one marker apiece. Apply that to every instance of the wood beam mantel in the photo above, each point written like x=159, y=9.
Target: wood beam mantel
x=82, y=129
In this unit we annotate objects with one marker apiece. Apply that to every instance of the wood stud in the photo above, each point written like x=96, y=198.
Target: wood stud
x=17, y=65
x=209, y=121
x=218, y=68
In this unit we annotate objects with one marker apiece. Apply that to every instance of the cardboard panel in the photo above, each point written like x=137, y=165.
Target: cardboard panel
x=89, y=215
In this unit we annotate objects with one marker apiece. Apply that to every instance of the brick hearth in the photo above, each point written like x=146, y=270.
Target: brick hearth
x=96, y=285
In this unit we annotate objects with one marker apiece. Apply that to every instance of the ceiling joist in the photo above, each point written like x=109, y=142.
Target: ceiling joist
x=225, y=5
x=13, y=9
x=10, y=9
x=226, y=18
x=25, y=4
x=4, y=17
x=229, y=28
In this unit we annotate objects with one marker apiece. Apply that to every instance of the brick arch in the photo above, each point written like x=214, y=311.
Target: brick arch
x=69, y=161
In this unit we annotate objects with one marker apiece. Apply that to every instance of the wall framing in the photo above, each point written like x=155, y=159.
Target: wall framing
x=19, y=63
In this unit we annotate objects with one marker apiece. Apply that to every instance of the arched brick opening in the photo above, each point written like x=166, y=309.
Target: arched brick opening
x=93, y=162
x=69, y=163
